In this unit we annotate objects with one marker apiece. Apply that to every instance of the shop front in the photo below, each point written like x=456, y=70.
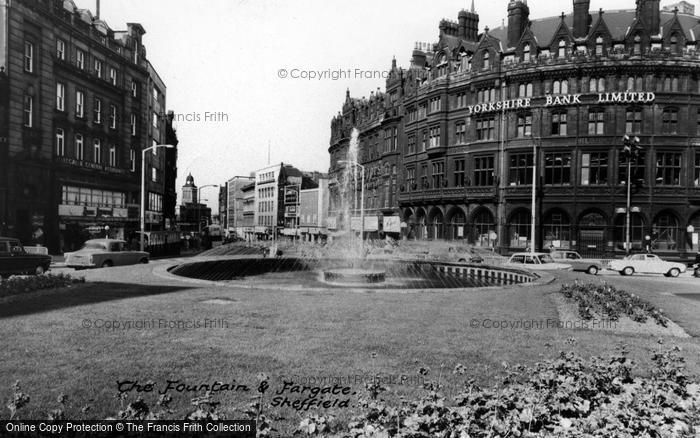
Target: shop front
x=78, y=223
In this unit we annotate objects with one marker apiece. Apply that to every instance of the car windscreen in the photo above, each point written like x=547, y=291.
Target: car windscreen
x=93, y=245
x=545, y=258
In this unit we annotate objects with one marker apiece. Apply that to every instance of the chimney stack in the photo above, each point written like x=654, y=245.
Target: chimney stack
x=649, y=12
x=582, y=19
x=97, y=10
x=518, y=16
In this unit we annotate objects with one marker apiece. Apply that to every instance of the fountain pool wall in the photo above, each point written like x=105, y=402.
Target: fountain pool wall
x=400, y=274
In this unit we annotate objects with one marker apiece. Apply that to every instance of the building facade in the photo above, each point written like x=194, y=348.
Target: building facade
x=476, y=113
x=76, y=94
x=194, y=215
x=313, y=211
x=235, y=203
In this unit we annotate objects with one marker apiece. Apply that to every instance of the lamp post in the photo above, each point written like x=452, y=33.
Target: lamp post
x=630, y=149
x=362, y=196
x=143, y=187
x=199, y=208
x=533, y=205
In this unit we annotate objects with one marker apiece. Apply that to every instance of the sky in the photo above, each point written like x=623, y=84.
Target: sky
x=223, y=60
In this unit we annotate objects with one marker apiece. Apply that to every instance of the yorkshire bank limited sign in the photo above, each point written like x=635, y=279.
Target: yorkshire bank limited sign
x=564, y=99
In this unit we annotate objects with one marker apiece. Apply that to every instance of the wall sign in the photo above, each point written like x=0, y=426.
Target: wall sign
x=564, y=99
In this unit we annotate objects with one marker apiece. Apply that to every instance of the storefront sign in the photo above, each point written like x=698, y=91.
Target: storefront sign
x=332, y=223
x=70, y=210
x=626, y=97
x=392, y=224
x=371, y=223
x=564, y=99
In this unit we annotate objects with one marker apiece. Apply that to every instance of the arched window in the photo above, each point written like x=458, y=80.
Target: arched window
x=487, y=61
x=526, y=53
x=483, y=229
x=637, y=45
x=636, y=231
x=560, y=87
x=435, y=230
x=596, y=85
x=562, y=48
x=457, y=225
x=599, y=45
x=665, y=232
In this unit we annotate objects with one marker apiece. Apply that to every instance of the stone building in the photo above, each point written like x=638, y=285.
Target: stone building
x=78, y=115
x=474, y=111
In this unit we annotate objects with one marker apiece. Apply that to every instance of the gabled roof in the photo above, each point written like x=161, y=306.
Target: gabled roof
x=618, y=23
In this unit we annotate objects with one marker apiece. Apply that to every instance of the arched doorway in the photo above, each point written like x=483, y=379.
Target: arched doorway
x=407, y=223
x=419, y=228
x=458, y=224
x=436, y=224
x=591, y=234
x=636, y=232
x=666, y=232
x=519, y=228
x=482, y=229
x=556, y=230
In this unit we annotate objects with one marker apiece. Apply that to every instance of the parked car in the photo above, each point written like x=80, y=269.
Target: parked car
x=457, y=254
x=14, y=260
x=646, y=264
x=104, y=253
x=578, y=263
x=538, y=261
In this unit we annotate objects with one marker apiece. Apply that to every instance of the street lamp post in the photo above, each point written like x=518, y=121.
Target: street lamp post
x=199, y=208
x=630, y=150
x=533, y=205
x=362, y=196
x=143, y=187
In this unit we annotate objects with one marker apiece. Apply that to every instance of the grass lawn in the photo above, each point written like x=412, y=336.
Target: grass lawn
x=335, y=334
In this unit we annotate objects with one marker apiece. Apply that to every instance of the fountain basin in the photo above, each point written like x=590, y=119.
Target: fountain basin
x=354, y=276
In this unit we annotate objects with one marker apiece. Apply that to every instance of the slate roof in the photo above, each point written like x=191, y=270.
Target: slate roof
x=617, y=21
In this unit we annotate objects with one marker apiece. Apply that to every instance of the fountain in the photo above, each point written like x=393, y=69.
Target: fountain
x=343, y=263
x=353, y=254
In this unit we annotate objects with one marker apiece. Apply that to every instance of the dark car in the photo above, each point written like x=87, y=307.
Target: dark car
x=14, y=260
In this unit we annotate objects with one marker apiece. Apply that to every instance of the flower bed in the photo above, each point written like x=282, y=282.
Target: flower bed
x=568, y=396
x=21, y=285
x=605, y=300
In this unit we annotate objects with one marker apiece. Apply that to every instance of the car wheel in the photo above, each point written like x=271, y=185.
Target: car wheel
x=107, y=264
x=674, y=272
x=143, y=261
x=39, y=270
x=628, y=271
x=593, y=270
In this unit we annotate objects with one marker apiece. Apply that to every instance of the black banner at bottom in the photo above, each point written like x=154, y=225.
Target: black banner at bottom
x=128, y=428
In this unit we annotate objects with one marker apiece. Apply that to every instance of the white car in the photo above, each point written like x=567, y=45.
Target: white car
x=104, y=253
x=538, y=261
x=646, y=264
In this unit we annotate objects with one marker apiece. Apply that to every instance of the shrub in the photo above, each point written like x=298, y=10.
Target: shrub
x=20, y=285
x=567, y=396
x=605, y=300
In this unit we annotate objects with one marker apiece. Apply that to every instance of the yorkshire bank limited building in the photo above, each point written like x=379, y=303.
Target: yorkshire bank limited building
x=450, y=145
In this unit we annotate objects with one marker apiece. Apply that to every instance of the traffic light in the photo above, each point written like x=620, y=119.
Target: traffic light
x=631, y=147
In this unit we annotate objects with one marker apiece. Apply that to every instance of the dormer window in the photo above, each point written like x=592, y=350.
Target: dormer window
x=562, y=49
x=487, y=61
x=599, y=46
x=526, y=53
x=637, y=44
x=674, y=43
